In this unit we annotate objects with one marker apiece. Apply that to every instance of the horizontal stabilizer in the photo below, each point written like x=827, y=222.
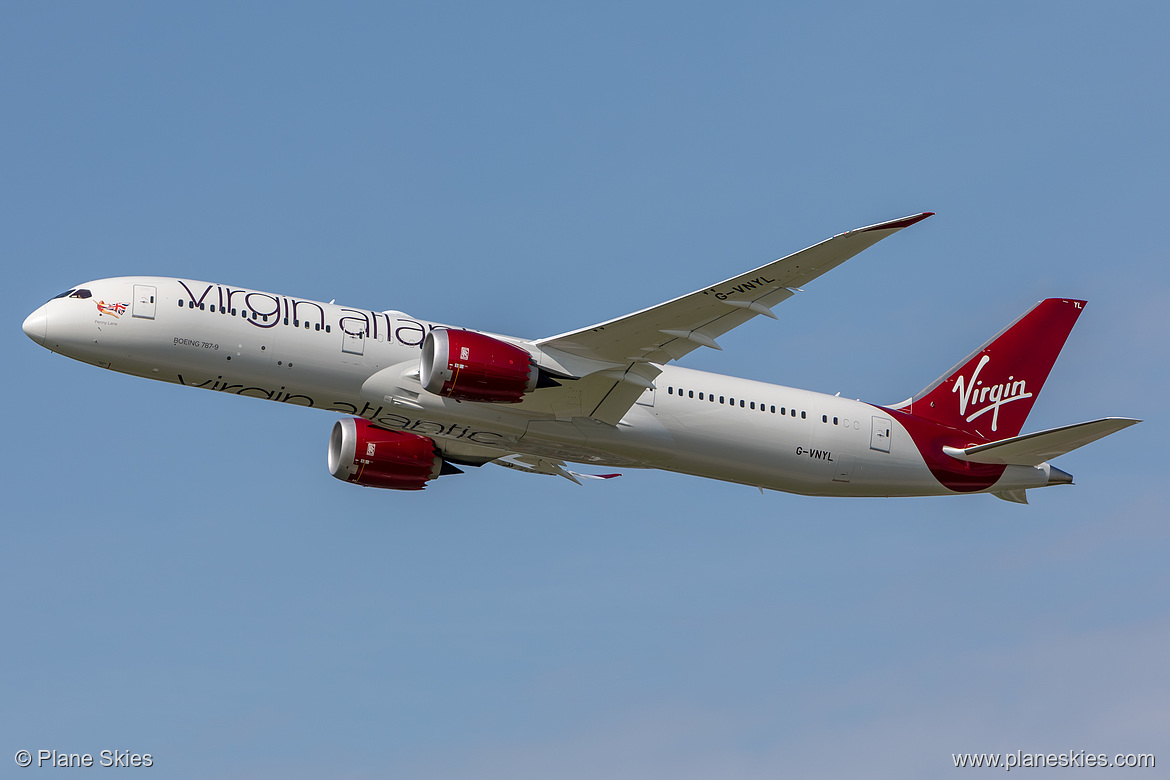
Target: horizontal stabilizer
x=1034, y=448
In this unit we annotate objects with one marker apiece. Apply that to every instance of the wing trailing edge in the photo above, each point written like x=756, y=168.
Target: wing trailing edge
x=533, y=464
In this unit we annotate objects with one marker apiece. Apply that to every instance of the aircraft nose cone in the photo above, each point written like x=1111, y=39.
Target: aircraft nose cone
x=36, y=325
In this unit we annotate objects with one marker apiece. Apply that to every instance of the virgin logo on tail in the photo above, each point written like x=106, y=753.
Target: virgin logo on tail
x=973, y=391
x=1026, y=349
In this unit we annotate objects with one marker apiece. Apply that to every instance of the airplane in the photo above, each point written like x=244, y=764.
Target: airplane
x=421, y=398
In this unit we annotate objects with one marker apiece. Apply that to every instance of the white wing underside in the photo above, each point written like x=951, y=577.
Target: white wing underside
x=532, y=464
x=624, y=355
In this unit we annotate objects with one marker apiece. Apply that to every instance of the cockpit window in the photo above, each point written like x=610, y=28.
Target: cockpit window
x=81, y=293
x=62, y=295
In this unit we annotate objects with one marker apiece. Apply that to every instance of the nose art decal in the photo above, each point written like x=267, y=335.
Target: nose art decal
x=112, y=309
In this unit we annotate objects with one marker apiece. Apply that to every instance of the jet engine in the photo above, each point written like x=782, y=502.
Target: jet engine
x=469, y=366
x=362, y=453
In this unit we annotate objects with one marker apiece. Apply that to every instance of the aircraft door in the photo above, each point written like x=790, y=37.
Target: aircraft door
x=879, y=438
x=144, y=301
x=352, y=343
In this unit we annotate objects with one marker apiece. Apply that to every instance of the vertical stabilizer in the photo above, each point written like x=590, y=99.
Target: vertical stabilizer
x=990, y=393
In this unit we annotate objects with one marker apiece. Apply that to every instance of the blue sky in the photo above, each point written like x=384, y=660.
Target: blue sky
x=181, y=576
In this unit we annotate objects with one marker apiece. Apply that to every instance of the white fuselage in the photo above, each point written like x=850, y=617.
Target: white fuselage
x=350, y=361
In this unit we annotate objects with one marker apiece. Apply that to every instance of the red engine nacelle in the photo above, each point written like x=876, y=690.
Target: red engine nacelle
x=470, y=366
x=362, y=453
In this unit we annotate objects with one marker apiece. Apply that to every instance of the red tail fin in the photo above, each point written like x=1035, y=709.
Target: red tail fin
x=990, y=393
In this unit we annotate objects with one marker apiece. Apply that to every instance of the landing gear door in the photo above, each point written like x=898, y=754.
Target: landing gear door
x=879, y=439
x=144, y=301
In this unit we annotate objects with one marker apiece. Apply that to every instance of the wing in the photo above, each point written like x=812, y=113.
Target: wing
x=632, y=345
x=532, y=464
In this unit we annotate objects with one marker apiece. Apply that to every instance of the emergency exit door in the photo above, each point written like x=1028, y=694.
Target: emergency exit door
x=352, y=343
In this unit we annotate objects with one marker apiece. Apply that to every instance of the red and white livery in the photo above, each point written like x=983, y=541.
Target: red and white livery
x=420, y=398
